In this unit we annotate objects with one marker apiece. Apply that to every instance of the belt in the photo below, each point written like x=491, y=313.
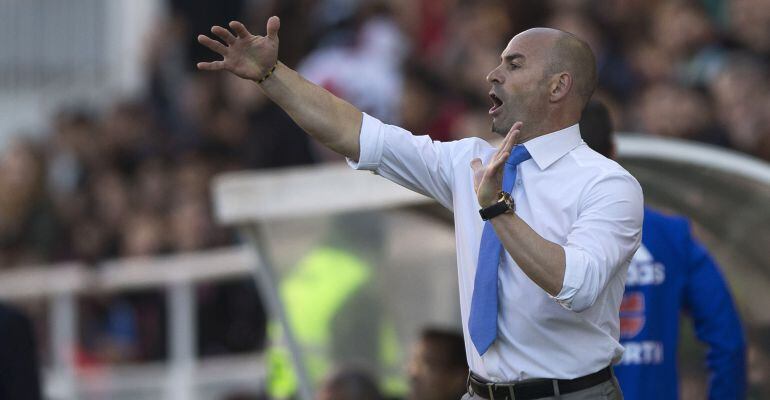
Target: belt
x=534, y=389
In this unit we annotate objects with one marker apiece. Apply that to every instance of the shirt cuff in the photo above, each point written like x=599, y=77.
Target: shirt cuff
x=371, y=141
x=574, y=275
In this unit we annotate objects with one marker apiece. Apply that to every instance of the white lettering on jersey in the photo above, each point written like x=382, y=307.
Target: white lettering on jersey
x=644, y=270
x=645, y=352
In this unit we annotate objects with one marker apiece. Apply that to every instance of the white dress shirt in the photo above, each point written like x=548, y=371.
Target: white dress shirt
x=568, y=194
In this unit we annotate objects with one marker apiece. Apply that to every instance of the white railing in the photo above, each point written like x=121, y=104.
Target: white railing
x=183, y=376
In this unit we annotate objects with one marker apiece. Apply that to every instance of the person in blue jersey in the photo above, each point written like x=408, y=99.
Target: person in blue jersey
x=669, y=273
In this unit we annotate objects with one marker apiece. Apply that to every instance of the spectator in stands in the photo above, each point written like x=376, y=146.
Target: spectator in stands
x=19, y=370
x=678, y=112
x=190, y=226
x=649, y=64
x=437, y=367
x=478, y=30
x=27, y=224
x=368, y=73
x=129, y=135
x=151, y=187
x=683, y=32
x=110, y=205
x=737, y=90
x=144, y=234
x=749, y=25
x=349, y=383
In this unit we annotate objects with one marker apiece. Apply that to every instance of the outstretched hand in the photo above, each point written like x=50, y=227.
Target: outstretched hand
x=488, y=179
x=246, y=55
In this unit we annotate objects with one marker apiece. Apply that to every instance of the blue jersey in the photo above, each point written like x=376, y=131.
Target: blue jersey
x=672, y=272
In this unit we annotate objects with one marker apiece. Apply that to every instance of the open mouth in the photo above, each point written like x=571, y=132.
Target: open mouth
x=496, y=103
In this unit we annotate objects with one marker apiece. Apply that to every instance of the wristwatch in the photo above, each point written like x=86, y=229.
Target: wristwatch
x=504, y=204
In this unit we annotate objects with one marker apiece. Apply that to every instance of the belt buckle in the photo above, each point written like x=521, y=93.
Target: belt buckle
x=510, y=391
x=491, y=390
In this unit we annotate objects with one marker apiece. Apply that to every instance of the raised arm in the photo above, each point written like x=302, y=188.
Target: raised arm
x=332, y=121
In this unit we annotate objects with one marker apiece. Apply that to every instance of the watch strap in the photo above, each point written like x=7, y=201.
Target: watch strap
x=487, y=213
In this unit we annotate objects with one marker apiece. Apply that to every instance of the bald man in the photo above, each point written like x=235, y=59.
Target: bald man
x=545, y=227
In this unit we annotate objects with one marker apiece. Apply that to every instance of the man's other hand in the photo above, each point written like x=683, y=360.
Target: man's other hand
x=488, y=179
x=245, y=55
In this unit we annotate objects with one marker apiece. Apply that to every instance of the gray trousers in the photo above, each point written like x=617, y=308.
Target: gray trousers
x=609, y=390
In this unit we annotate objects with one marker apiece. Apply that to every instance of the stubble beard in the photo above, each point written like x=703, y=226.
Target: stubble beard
x=501, y=126
x=496, y=128
x=504, y=122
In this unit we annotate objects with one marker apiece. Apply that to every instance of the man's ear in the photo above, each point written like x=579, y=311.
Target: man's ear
x=561, y=84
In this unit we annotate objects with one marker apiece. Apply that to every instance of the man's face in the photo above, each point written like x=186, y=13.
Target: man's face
x=430, y=378
x=519, y=88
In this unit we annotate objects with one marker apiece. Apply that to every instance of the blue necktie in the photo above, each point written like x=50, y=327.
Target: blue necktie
x=482, y=324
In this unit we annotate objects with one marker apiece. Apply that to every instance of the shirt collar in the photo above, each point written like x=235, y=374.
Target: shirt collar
x=547, y=149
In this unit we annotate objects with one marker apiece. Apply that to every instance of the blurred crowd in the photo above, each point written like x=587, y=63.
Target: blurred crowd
x=132, y=179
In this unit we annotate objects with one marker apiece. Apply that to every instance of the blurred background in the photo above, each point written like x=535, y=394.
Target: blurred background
x=109, y=140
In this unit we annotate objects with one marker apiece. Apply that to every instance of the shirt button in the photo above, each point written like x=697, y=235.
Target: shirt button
x=518, y=182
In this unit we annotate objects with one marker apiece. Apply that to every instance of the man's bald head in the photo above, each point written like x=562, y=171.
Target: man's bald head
x=572, y=55
x=567, y=53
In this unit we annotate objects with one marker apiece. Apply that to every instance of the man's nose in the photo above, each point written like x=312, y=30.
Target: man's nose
x=494, y=76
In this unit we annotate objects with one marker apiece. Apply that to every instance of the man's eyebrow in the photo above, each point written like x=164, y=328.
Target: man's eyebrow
x=511, y=57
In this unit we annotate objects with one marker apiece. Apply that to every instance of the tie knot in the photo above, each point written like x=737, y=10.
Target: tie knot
x=519, y=154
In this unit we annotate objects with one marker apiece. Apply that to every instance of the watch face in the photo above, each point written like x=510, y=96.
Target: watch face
x=508, y=200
